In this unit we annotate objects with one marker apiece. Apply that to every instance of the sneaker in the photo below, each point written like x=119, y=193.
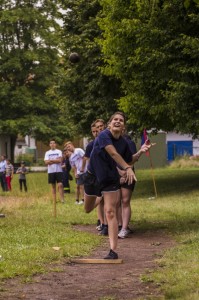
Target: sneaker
x=98, y=223
x=99, y=227
x=111, y=255
x=81, y=202
x=77, y=202
x=104, y=230
x=123, y=233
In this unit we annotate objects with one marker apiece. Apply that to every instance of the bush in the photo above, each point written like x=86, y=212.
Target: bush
x=27, y=158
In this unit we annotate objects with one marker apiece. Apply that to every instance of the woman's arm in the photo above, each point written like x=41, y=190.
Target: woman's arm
x=145, y=147
x=130, y=176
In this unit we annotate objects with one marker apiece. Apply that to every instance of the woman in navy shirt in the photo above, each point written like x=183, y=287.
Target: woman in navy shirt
x=110, y=150
x=110, y=154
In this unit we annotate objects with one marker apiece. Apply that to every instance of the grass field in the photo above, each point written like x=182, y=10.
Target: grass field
x=29, y=231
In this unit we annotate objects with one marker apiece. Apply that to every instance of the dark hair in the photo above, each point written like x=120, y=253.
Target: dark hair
x=52, y=140
x=118, y=113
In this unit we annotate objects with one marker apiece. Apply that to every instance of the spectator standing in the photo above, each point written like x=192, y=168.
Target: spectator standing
x=3, y=173
x=9, y=174
x=53, y=159
x=79, y=166
x=22, y=171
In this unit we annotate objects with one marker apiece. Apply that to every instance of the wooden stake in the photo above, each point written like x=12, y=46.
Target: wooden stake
x=96, y=261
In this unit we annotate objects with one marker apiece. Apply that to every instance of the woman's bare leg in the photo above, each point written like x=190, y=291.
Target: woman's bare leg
x=111, y=200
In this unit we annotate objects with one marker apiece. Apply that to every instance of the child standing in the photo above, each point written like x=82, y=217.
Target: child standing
x=9, y=174
x=22, y=171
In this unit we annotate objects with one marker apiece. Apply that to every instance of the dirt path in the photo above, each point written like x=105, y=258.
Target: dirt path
x=95, y=281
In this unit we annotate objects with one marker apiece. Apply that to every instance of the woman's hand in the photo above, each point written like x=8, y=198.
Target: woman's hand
x=127, y=175
x=146, y=146
x=130, y=176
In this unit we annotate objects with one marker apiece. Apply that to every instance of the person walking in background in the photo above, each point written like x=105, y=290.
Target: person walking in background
x=79, y=166
x=3, y=172
x=9, y=174
x=53, y=159
x=22, y=171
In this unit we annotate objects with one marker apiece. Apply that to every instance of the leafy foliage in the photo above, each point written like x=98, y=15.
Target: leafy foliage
x=87, y=93
x=29, y=58
x=152, y=47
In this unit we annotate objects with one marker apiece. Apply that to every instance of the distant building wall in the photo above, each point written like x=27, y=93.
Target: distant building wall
x=25, y=145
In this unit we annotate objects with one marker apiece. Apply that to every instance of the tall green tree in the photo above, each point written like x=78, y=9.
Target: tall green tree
x=30, y=70
x=152, y=47
x=89, y=94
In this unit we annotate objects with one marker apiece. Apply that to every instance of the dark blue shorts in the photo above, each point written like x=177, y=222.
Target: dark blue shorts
x=128, y=186
x=55, y=177
x=80, y=179
x=93, y=188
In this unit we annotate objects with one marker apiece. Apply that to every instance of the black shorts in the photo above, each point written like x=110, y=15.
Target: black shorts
x=93, y=188
x=128, y=186
x=80, y=179
x=55, y=177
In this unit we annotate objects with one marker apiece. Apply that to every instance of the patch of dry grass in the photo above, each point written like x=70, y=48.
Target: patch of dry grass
x=185, y=162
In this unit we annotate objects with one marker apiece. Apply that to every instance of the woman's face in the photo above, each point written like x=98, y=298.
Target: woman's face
x=117, y=123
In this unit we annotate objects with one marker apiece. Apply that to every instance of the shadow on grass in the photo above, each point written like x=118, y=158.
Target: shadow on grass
x=176, y=182
x=177, y=226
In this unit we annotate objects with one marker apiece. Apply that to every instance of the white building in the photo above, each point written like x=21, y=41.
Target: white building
x=25, y=145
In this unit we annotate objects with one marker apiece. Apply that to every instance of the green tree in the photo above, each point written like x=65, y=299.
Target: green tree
x=88, y=93
x=30, y=70
x=152, y=47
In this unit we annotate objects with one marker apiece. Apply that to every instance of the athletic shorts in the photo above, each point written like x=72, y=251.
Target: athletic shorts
x=55, y=177
x=128, y=186
x=93, y=188
x=80, y=179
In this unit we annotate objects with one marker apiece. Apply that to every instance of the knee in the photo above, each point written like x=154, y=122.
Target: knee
x=110, y=214
x=125, y=203
x=89, y=203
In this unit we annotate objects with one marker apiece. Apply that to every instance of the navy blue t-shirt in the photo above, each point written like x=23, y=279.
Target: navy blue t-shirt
x=89, y=149
x=131, y=143
x=101, y=163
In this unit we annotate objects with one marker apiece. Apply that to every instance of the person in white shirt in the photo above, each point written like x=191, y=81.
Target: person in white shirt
x=79, y=167
x=3, y=173
x=53, y=159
